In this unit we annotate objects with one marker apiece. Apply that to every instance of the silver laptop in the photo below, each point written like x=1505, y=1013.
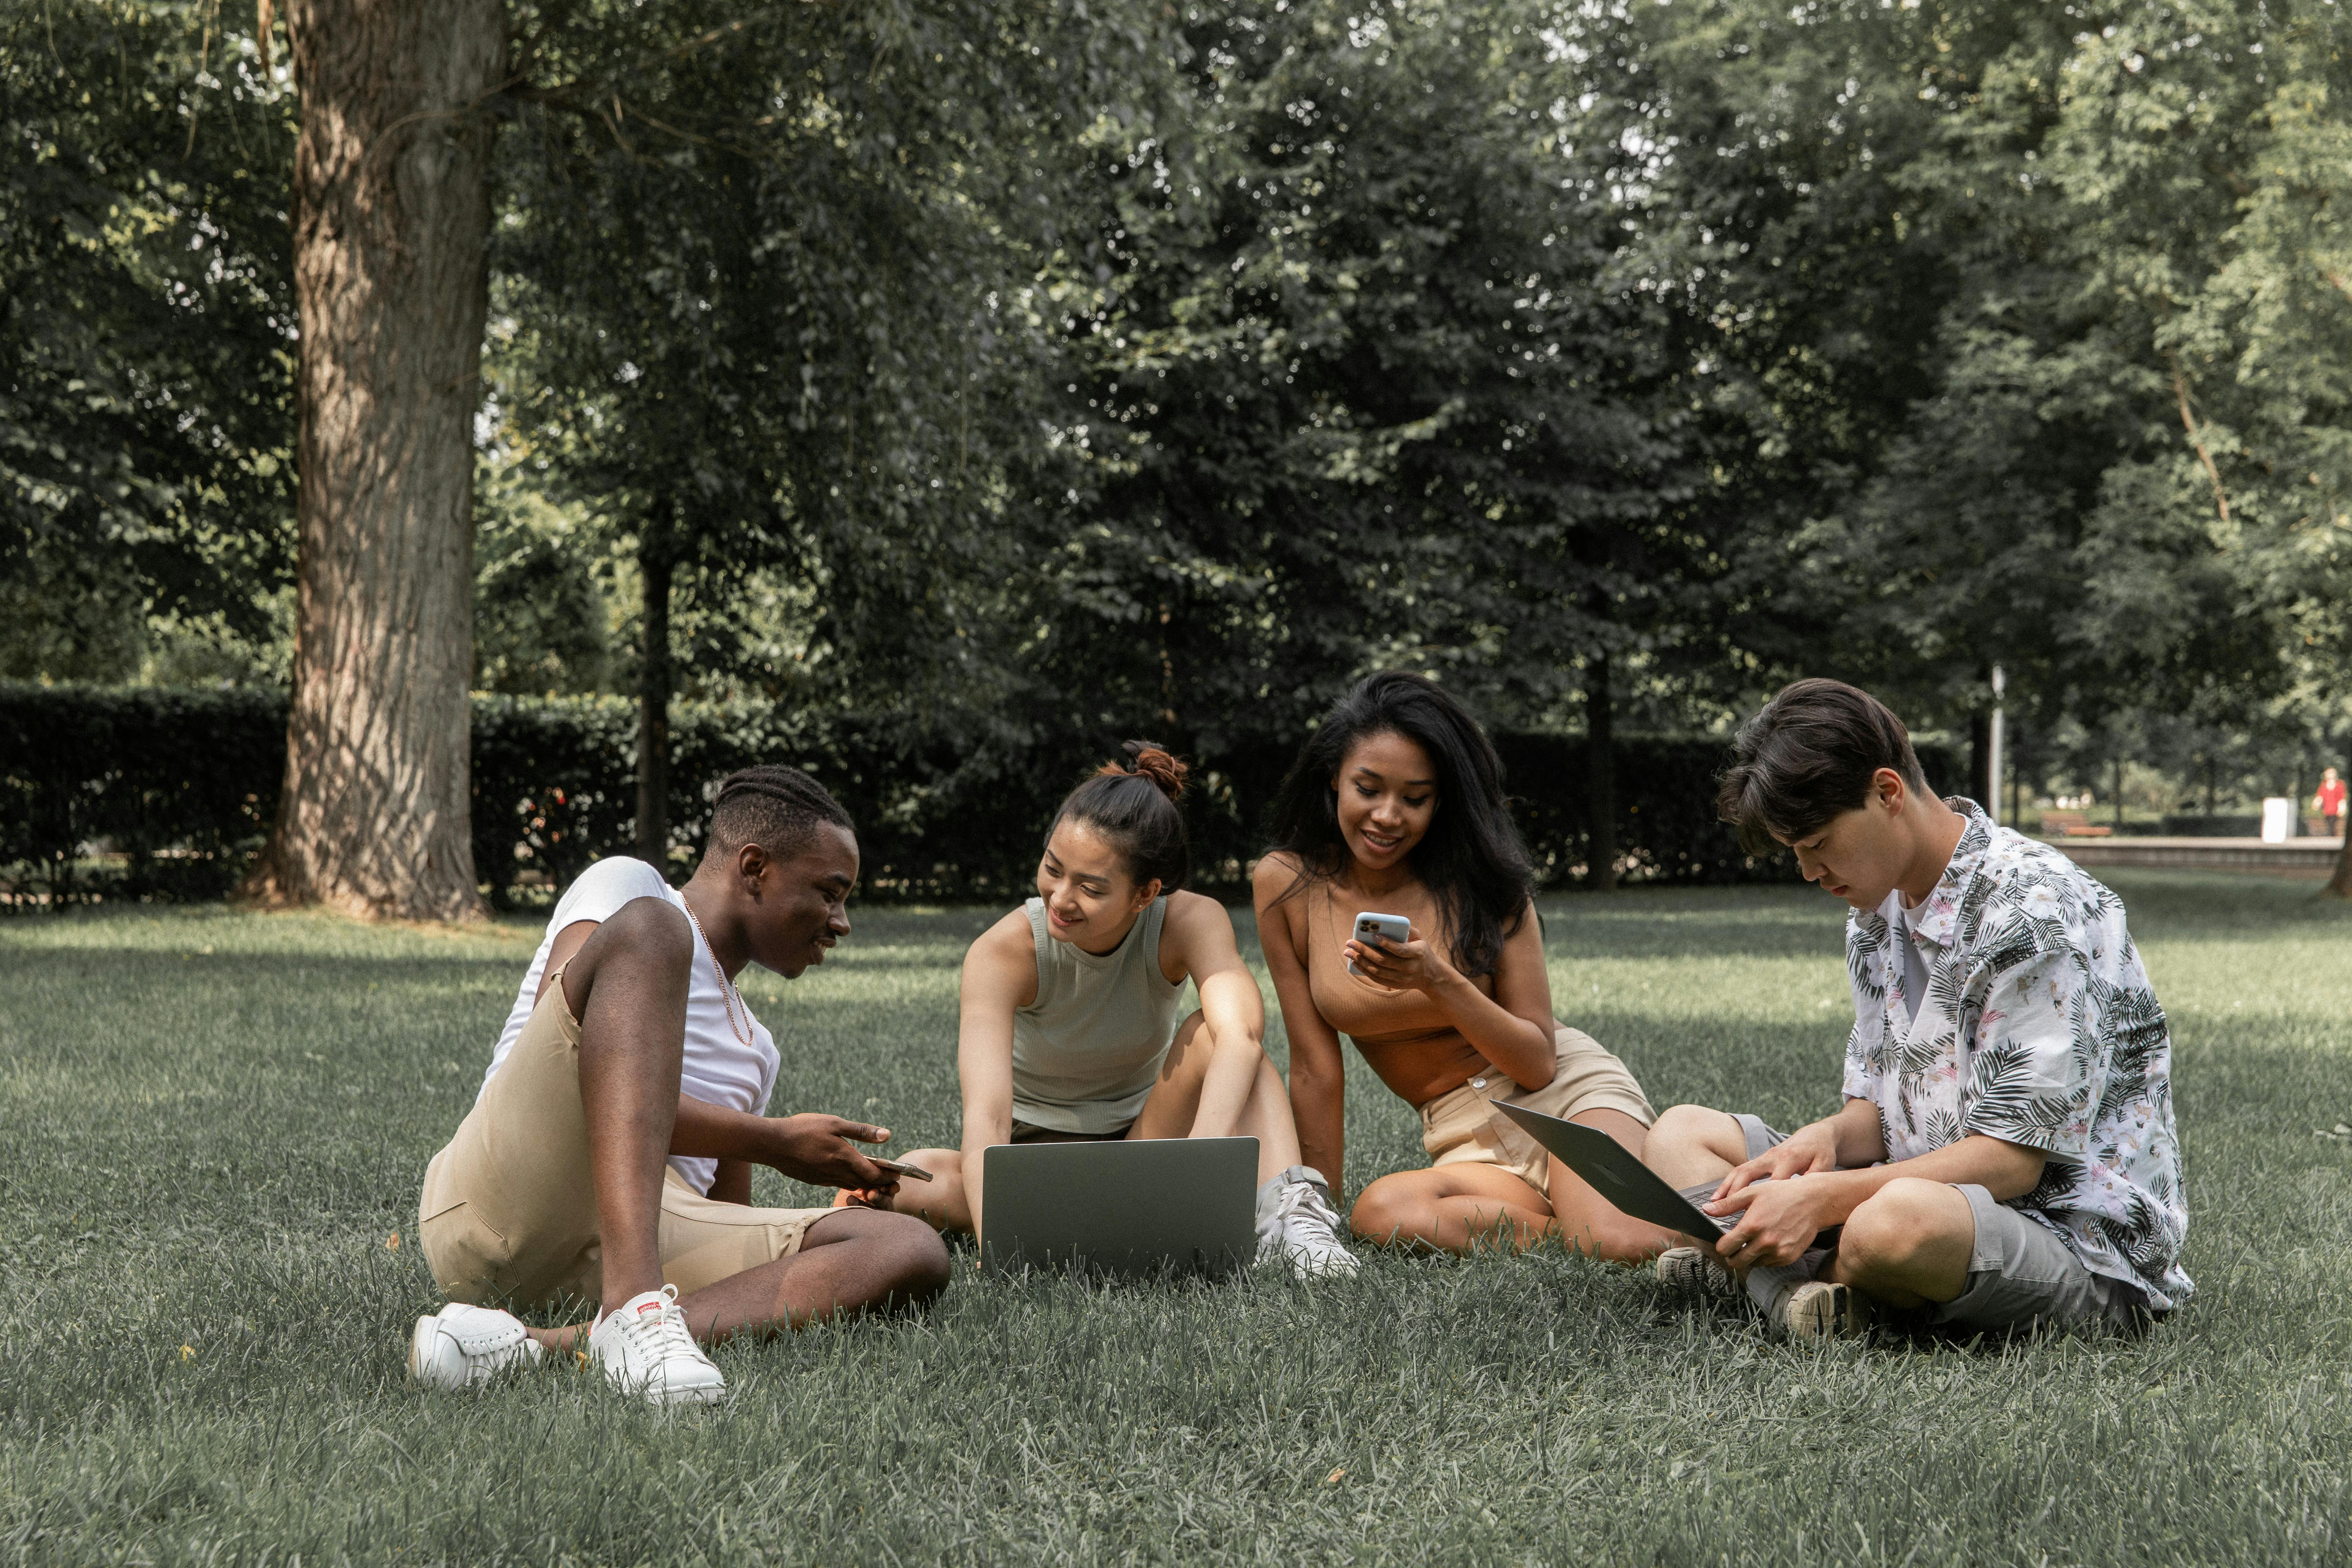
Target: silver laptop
x=1179, y=1204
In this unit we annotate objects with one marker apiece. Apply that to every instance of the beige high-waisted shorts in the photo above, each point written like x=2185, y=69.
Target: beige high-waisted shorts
x=509, y=1212
x=1458, y=1125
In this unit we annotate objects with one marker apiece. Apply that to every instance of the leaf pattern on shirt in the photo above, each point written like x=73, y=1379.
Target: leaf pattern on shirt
x=2039, y=1026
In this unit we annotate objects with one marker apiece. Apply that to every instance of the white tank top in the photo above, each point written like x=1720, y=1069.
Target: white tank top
x=1085, y=1053
x=721, y=1069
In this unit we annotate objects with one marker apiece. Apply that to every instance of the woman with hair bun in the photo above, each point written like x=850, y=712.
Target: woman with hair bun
x=1395, y=806
x=1070, y=1029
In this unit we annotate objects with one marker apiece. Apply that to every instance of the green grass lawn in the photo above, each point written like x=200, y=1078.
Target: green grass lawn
x=213, y=1125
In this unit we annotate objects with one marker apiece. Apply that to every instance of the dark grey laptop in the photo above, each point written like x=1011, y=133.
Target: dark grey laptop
x=1187, y=1205
x=1616, y=1174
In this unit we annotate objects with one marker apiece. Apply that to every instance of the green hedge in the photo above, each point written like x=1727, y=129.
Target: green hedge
x=184, y=783
x=180, y=787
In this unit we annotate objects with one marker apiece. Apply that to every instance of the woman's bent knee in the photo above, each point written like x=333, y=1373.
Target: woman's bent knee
x=1387, y=1211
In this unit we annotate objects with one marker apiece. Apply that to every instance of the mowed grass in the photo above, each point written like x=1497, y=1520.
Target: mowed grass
x=213, y=1125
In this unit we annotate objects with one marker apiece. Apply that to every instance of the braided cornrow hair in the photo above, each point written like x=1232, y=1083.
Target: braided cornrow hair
x=773, y=806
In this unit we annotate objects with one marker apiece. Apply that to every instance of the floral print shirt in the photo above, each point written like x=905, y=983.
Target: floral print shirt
x=2037, y=1027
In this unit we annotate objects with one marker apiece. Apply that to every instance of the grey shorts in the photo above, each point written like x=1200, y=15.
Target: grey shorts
x=2021, y=1276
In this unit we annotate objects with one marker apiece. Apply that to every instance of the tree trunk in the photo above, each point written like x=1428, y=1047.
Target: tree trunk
x=391, y=216
x=1600, y=777
x=2119, y=793
x=654, y=568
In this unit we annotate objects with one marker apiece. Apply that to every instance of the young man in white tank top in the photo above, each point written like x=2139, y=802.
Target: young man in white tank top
x=609, y=1153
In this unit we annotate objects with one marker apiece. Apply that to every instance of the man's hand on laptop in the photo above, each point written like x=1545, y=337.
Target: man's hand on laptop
x=1778, y=1221
x=817, y=1149
x=1778, y=1214
x=1810, y=1148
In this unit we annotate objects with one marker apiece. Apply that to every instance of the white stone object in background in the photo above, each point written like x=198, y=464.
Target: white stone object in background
x=2278, y=819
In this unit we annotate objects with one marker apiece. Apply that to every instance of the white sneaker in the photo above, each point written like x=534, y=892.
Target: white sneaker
x=645, y=1349
x=1297, y=1223
x=460, y=1346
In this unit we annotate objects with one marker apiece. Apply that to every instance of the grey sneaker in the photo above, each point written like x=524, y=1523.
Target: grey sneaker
x=1297, y=1223
x=1818, y=1310
x=1698, y=1271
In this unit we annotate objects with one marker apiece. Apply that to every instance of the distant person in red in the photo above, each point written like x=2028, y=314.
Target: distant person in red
x=2329, y=801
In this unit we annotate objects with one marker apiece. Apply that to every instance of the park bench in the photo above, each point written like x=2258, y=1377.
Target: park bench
x=2072, y=825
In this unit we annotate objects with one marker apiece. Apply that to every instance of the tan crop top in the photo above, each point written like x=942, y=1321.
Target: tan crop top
x=1368, y=1014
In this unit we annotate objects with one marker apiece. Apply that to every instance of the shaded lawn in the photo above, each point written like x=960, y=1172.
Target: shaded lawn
x=212, y=1123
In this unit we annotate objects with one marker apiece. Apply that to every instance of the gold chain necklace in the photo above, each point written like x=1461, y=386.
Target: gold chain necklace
x=728, y=995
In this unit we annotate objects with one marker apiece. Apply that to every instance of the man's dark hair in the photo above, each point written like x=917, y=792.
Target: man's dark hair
x=1807, y=757
x=1472, y=859
x=775, y=807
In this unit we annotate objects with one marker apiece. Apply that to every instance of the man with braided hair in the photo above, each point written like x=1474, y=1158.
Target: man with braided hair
x=609, y=1153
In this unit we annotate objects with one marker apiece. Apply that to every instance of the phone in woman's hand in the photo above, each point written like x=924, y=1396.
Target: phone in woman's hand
x=1368, y=925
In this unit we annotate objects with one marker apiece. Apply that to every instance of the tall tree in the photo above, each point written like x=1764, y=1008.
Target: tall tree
x=767, y=269
x=392, y=216
x=146, y=334
x=1369, y=380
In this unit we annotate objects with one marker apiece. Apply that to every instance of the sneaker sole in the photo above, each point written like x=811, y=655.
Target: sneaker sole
x=709, y=1395
x=669, y=1396
x=1824, y=1314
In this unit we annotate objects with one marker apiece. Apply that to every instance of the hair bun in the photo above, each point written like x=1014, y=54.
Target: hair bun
x=1151, y=760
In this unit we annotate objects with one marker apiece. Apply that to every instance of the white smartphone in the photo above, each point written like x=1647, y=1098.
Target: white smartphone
x=1394, y=927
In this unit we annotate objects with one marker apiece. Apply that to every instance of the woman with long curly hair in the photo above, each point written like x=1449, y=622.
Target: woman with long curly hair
x=1395, y=806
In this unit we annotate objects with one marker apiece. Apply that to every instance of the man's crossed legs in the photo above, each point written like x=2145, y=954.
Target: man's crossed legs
x=1948, y=1255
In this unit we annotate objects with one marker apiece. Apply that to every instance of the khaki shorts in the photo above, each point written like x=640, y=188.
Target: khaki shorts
x=1460, y=1125
x=508, y=1213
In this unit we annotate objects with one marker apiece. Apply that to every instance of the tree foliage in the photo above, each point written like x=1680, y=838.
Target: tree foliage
x=1029, y=368
x=146, y=319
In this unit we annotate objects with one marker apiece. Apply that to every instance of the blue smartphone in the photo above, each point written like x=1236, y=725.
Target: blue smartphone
x=1369, y=925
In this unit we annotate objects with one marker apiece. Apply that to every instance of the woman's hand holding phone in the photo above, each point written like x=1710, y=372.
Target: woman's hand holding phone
x=1405, y=961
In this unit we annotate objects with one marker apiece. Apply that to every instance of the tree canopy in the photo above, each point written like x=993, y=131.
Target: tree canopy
x=1149, y=369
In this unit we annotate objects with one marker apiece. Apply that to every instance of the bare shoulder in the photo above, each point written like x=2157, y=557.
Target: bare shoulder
x=650, y=925
x=647, y=935
x=1197, y=912
x=1275, y=874
x=1196, y=939
x=1277, y=867
x=1008, y=947
x=1275, y=883
x=999, y=969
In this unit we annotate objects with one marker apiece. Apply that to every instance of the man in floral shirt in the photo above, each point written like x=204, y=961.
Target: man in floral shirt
x=2006, y=1154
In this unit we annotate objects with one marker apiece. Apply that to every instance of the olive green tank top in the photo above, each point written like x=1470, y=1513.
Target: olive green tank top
x=1085, y=1054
